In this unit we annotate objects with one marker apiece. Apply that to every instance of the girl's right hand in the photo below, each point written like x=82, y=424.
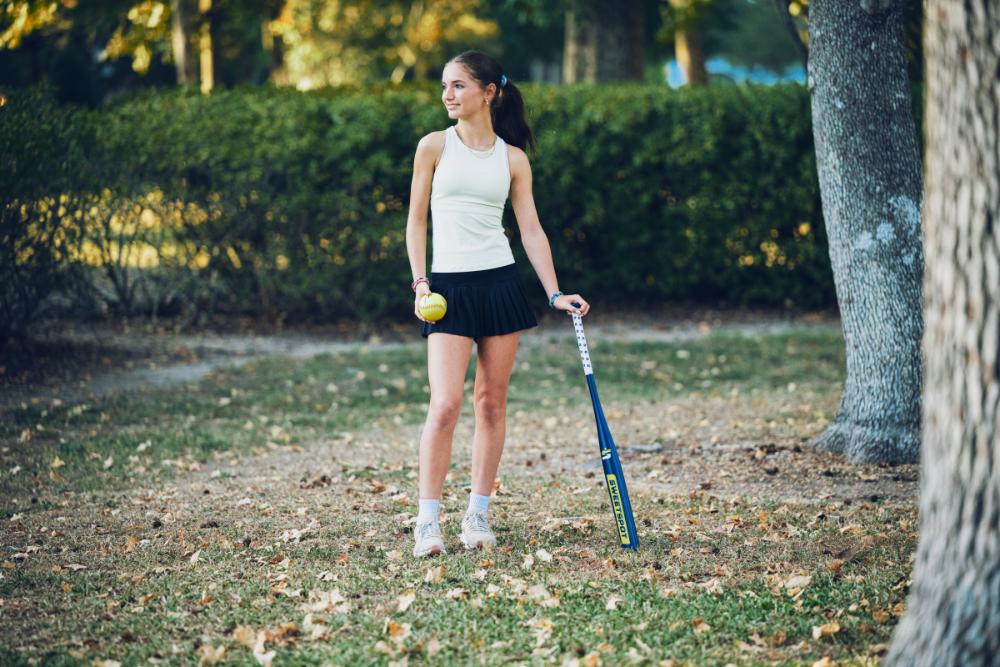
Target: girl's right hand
x=422, y=289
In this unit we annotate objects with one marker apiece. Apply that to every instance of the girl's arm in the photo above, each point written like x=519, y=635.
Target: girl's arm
x=416, y=221
x=536, y=243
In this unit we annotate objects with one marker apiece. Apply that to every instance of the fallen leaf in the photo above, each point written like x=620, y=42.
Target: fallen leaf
x=541, y=595
x=245, y=635
x=544, y=556
x=699, y=625
x=796, y=584
x=825, y=630
x=326, y=601
x=528, y=562
x=398, y=632
x=210, y=655
x=405, y=600
x=263, y=658
x=57, y=463
x=435, y=574
x=612, y=602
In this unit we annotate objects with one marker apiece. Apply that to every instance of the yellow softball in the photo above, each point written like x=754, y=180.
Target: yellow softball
x=432, y=306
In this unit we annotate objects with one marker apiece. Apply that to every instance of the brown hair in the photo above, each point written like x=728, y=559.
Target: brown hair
x=507, y=109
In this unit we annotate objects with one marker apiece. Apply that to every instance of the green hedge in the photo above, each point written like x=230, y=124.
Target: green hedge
x=44, y=181
x=296, y=203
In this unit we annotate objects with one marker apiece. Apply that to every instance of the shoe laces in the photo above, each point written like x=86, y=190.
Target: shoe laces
x=429, y=529
x=477, y=521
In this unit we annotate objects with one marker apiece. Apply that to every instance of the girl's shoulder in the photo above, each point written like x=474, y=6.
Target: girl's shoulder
x=518, y=160
x=431, y=146
x=433, y=140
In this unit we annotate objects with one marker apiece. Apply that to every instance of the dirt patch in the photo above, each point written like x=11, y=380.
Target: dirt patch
x=726, y=446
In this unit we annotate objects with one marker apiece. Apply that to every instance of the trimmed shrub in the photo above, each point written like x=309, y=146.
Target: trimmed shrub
x=295, y=203
x=43, y=180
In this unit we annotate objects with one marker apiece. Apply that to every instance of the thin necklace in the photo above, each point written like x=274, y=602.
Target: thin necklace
x=481, y=154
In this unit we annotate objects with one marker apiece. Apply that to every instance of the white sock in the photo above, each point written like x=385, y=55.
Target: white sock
x=428, y=510
x=478, y=504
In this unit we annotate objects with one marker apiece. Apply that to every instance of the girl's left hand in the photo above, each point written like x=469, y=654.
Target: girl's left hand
x=566, y=301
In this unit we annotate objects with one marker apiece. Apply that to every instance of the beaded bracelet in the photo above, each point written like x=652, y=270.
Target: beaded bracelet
x=419, y=280
x=552, y=298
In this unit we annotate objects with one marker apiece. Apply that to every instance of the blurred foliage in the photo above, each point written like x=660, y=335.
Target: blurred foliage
x=306, y=43
x=273, y=202
x=739, y=39
x=334, y=43
x=797, y=15
x=735, y=30
x=43, y=185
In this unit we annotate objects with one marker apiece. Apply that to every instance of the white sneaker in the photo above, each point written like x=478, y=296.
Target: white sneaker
x=428, y=539
x=476, y=531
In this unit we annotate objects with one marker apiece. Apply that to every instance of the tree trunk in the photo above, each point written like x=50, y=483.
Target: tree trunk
x=206, y=52
x=182, y=42
x=868, y=162
x=689, y=47
x=580, y=51
x=690, y=54
x=954, y=607
x=605, y=41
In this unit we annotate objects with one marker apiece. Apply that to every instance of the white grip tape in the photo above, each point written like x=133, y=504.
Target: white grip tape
x=581, y=342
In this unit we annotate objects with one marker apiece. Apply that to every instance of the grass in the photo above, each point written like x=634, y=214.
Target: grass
x=237, y=411
x=270, y=513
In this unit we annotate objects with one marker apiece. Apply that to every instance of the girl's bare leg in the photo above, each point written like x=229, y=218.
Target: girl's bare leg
x=447, y=362
x=494, y=366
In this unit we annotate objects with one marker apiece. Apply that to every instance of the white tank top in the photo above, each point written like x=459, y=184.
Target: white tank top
x=468, y=193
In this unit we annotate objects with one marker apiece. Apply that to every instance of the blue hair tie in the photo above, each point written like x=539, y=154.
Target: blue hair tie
x=503, y=80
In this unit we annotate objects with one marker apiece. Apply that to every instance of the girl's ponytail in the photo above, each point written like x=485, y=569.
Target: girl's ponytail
x=507, y=108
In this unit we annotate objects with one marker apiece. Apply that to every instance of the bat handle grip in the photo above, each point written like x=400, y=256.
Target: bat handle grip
x=581, y=342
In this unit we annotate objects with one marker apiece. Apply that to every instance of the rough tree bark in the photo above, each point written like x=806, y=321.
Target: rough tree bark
x=954, y=606
x=868, y=161
x=605, y=41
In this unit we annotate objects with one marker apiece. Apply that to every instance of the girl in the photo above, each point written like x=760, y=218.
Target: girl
x=466, y=173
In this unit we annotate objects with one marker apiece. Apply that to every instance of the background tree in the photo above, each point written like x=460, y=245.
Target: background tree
x=182, y=41
x=335, y=43
x=685, y=29
x=868, y=163
x=699, y=30
x=795, y=16
x=954, y=608
x=605, y=41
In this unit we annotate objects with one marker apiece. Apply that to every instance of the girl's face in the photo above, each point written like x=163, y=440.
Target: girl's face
x=461, y=94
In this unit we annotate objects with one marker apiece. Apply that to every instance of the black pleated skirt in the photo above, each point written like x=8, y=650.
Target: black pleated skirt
x=492, y=302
